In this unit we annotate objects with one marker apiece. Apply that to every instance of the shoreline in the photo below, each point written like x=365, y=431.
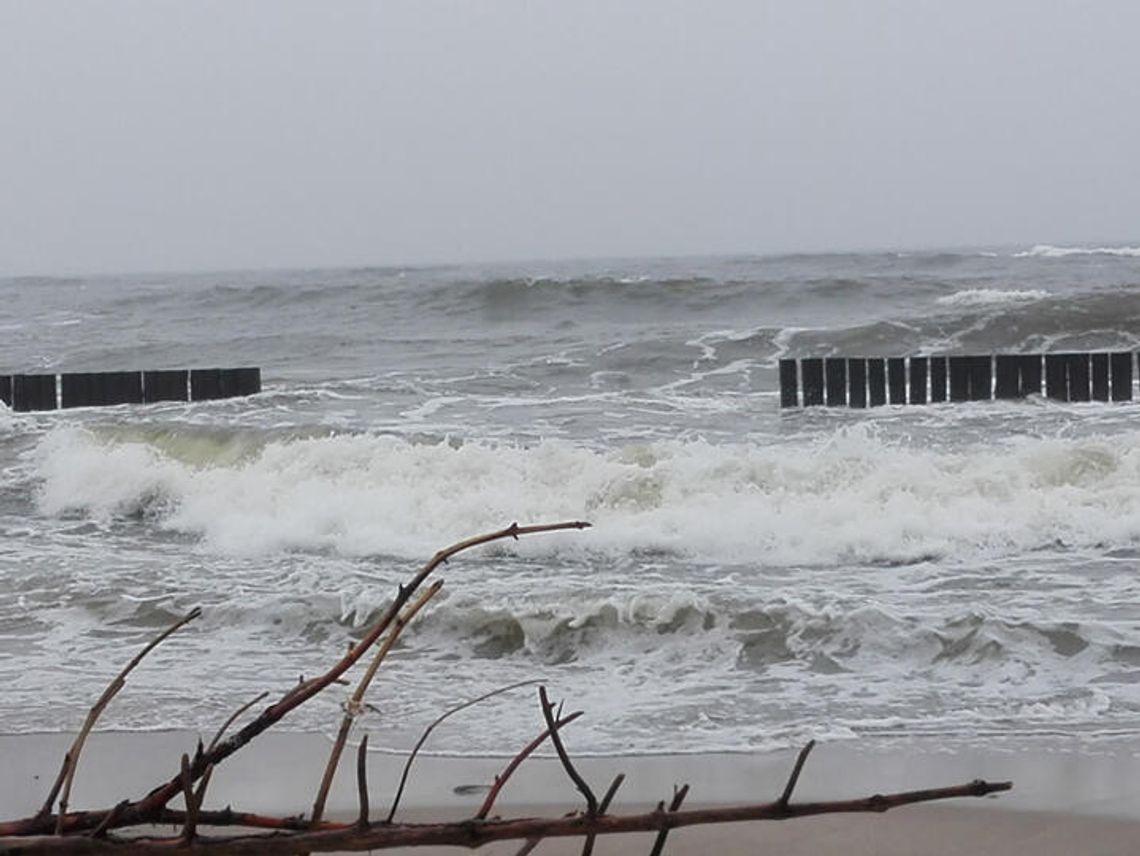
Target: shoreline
x=1065, y=798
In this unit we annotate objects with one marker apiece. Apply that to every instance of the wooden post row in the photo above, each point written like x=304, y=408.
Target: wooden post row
x=875, y=381
x=24, y=392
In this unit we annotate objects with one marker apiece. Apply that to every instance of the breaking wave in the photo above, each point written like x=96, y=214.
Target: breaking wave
x=805, y=502
x=988, y=296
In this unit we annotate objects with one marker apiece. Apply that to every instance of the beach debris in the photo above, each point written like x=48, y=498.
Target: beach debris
x=129, y=827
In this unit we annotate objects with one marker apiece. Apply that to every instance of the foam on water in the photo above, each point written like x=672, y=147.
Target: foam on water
x=802, y=502
x=987, y=296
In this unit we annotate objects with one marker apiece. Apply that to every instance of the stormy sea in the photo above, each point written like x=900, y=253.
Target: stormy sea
x=754, y=576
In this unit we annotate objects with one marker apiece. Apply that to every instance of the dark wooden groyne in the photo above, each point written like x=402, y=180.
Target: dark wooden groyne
x=875, y=381
x=26, y=392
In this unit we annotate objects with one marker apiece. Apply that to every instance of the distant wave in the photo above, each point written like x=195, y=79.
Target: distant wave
x=988, y=296
x=1048, y=251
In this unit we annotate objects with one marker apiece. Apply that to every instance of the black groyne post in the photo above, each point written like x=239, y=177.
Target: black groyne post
x=938, y=374
x=208, y=384
x=1120, y=376
x=896, y=380
x=1100, y=377
x=811, y=371
x=789, y=384
x=835, y=376
x=918, y=366
x=166, y=385
x=857, y=375
x=26, y=392
x=33, y=392
x=875, y=381
x=98, y=389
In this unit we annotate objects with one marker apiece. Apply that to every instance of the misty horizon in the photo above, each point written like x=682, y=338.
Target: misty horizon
x=164, y=137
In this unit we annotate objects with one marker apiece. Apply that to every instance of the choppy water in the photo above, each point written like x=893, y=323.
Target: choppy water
x=753, y=576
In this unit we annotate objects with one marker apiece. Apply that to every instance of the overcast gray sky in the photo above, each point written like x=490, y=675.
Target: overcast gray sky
x=157, y=135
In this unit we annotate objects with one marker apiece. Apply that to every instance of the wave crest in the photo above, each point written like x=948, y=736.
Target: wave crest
x=1048, y=251
x=990, y=296
x=804, y=502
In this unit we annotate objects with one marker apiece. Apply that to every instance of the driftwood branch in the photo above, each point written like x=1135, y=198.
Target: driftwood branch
x=356, y=703
x=427, y=733
x=796, y=770
x=563, y=756
x=71, y=757
x=362, y=783
x=514, y=763
x=679, y=795
x=603, y=807
x=475, y=834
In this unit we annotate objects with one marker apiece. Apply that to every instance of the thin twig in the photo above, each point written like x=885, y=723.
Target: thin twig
x=71, y=758
x=678, y=798
x=528, y=845
x=795, y=776
x=356, y=702
x=432, y=727
x=603, y=806
x=513, y=765
x=362, y=783
x=579, y=782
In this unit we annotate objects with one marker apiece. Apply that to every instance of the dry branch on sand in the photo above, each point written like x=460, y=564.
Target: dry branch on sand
x=127, y=827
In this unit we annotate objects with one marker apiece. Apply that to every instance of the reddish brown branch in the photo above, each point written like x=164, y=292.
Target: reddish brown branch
x=603, y=806
x=356, y=703
x=674, y=805
x=501, y=779
x=432, y=727
x=71, y=757
x=220, y=733
x=563, y=756
x=362, y=783
x=796, y=770
x=475, y=834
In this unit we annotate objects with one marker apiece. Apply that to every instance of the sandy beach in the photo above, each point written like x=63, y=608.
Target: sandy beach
x=1067, y=798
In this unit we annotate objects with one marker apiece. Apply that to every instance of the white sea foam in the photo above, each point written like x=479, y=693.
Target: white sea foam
x=853, y=497
x=1049, y=251
x=990, y=296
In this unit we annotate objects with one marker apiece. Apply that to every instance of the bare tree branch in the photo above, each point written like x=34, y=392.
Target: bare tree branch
x=603, y=807
x=678, y=798
x=362, y=783
x=432, y=727
x=796, y=770
x=356, y=702
x=71, y=757
x=579, y=782
x=469, y=833
x=501, y=779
